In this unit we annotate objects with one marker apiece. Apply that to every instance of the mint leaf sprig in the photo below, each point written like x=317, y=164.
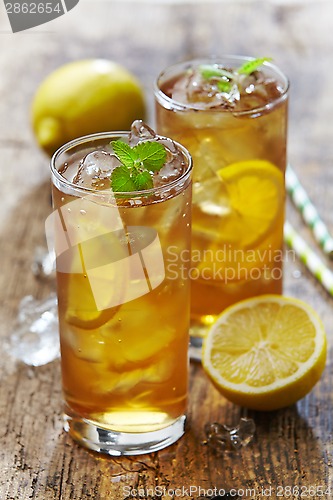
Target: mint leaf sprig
x=138, y=163
x=225, y=79
x=250, y=66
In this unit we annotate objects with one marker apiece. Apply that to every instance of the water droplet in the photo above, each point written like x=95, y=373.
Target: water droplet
x=83, y=212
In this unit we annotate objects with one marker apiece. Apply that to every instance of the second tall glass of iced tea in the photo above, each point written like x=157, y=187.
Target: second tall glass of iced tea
x=231, y=114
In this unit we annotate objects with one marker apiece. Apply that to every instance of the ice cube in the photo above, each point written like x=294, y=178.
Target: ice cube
x=35, y=340
x=140, y=131
x=137, y=348
x=95, y=170
x=125, y=381
x=43, y=265
x=174, y=165
x=89, y=345
x=183, y=88
x=221, y=437
x=193, y=89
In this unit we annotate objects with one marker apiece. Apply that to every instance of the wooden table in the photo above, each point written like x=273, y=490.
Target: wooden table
x=292, y=447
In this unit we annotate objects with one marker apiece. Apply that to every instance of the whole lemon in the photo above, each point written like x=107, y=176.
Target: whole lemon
x=84, y=97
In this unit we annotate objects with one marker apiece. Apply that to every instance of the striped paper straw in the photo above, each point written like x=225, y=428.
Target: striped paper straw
x=309, y=212
x=314, y=264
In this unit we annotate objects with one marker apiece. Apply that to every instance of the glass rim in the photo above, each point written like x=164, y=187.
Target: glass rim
x=162, y=98
x=117, y=194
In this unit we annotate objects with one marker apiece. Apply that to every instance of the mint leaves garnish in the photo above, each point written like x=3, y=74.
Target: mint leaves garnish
x=211, y=71
x=250, y=66
x=138, y=163
x=121, y=180
x=225, y=79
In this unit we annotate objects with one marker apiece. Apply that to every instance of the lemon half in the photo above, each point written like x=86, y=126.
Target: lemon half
x=266, y=352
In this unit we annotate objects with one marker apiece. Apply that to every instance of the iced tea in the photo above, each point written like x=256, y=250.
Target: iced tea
x=124, y=319
x=234, y=125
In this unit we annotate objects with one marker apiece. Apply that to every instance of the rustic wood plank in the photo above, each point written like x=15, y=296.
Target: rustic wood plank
x=292, y=447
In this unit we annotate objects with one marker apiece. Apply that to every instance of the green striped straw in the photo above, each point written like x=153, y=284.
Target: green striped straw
x=309, y=212
x=314, y=264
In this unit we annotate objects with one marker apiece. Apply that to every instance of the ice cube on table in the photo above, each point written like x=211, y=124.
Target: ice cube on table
x=221, y=437
x=95, y=170
x=35, y=340
x=43, y=265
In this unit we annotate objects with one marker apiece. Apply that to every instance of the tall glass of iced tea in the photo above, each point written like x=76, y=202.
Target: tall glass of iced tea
x=231, y=114
x=124, y=315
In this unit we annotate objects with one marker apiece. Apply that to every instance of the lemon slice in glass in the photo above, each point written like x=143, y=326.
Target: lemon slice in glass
x=256, y=195
x=81, y=310
x=249, y=197
x=266, y=352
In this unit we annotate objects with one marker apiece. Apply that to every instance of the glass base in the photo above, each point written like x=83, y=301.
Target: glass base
x=114, y=443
